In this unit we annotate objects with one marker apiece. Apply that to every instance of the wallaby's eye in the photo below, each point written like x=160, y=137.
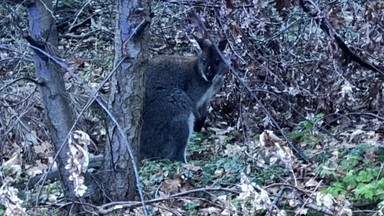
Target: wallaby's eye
x=204, y=60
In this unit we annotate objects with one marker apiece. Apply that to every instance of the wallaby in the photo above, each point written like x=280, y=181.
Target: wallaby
x=178, y=90
x=202, y=104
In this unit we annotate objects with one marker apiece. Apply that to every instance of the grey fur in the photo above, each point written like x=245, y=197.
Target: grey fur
x=178, y=91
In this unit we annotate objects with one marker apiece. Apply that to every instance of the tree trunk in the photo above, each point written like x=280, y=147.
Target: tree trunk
x=42, y=30
x=126, y=99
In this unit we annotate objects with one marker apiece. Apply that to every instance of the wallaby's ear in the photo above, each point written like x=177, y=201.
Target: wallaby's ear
x=222, y=44
x=203, y=42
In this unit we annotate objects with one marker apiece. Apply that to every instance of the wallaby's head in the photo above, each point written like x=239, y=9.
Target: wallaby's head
x=209, y=61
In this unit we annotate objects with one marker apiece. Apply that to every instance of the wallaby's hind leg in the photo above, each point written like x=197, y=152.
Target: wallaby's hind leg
x=168, y=124
x=190, y=122
x=179, y=135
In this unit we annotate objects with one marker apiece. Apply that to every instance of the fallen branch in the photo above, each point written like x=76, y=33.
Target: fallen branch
x=110, y=207
x=312, y=10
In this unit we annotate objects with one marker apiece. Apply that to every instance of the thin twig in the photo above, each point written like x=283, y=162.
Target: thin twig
x=110, y=207
x=232, y=70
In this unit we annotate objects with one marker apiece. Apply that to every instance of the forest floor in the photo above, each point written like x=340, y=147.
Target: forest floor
x=297, y=128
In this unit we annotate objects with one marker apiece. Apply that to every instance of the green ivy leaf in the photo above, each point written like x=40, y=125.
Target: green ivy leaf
x=365, y=190
x=350, y=179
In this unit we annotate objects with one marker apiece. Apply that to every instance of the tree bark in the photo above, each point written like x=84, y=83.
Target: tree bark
x=60, y=118
x=126, y=99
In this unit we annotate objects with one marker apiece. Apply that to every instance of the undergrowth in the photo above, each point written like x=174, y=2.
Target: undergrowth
x=354, y=173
